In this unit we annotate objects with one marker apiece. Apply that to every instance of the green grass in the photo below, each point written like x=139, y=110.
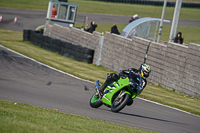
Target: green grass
x=23, y=118
x=109, y=8
x=190, y=34
x=25, y=4
x=92, y=72
x=131, y=9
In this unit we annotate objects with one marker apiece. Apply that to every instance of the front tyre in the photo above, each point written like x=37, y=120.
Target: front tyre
x=95, y=102
x=120, y=102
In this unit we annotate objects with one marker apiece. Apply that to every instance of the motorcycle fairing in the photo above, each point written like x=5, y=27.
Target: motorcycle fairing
x=114, y=88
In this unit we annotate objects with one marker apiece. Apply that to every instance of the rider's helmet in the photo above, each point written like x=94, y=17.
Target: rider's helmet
x=145, y=70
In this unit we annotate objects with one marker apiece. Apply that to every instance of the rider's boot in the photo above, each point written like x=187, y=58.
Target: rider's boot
x=102, y=88
x=109, y=79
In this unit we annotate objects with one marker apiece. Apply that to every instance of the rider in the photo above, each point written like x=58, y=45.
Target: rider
x=143, y=71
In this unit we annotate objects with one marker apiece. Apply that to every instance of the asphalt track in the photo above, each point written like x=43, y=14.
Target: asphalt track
x=31, y=19
x=27, y=81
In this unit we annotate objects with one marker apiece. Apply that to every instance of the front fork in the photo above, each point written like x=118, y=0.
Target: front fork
x=119, y=97
x=121, y=94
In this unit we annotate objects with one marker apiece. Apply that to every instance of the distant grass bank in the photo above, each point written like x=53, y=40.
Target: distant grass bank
x=23, y=118
x=92, y=72
x=87, y=6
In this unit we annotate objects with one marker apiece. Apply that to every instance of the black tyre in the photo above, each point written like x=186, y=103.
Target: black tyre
x=26, y=35
x=95, y=102
x=88, y=51
x=120, y=103
x=63, y=0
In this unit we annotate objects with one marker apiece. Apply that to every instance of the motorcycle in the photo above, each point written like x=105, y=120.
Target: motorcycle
x=118, y=94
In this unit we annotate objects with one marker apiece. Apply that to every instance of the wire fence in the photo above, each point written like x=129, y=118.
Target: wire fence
x=81, y=19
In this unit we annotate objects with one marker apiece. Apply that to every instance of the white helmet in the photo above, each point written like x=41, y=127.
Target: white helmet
x=145, y=70
x=135, y=16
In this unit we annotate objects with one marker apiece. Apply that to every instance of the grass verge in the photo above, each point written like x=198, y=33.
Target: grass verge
x=92, y=72
x=18, y=118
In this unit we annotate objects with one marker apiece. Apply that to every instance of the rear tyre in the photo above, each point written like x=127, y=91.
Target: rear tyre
x=120, y=103
x=95, y=102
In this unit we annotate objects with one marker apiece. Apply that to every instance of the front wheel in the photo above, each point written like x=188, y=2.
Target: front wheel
x=120, y=102
x=95, y=102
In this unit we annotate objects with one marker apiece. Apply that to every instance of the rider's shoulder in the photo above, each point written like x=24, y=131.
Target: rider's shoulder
x=134, y=70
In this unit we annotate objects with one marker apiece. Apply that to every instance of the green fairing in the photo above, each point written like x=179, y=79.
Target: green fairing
x=94, y=98
x=121, y=83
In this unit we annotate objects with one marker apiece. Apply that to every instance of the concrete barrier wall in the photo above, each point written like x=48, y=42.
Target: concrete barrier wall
x=76, y=52
x=122, y=53
x=191, y=75
x=74, y=36
x=175, y=57
x=156, y=59
x=174, y=66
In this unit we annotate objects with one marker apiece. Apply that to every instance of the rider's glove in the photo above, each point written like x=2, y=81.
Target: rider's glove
x=138, y=88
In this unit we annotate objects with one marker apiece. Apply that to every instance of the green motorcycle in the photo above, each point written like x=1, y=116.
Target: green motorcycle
x=118, y=94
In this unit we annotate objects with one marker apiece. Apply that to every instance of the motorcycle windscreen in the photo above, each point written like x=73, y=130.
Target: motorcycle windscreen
x=134, y=79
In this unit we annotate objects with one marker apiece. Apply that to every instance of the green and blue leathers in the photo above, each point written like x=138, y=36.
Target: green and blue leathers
x=119, y=93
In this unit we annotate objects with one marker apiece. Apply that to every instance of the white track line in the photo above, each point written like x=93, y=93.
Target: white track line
x=46, y=65
x=91, y=81
x=168, y=106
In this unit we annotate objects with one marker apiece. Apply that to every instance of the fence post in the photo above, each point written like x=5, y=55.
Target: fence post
x=86, y=20
x=145, y=57
x=99, y=50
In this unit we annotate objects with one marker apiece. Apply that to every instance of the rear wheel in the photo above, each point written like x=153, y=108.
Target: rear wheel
x=95, y=102
x=120, y=102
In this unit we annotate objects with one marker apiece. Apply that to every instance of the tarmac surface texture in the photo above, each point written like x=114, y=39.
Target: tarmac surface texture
x=27, y=81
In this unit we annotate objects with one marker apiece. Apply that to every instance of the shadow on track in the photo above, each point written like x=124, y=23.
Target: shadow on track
x=146, y=117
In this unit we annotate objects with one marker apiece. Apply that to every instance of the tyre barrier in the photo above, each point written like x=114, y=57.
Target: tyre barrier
x=66, y=49
x=26, y=35
x=63, y=0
